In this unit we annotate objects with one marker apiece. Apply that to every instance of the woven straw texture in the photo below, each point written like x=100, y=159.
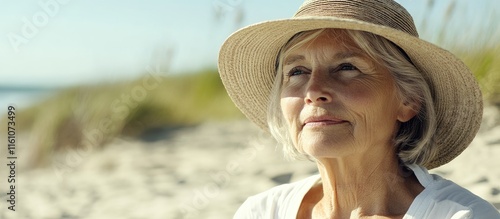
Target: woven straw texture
x=247, y=62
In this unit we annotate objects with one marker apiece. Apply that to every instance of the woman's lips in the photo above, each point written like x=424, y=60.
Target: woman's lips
x=322, y=121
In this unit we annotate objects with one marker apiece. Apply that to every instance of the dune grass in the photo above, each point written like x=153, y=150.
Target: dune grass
x=485, y=63
x=98, y=113
x=473, y=41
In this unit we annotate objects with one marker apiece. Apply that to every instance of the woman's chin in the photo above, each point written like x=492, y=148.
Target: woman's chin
x=326, y=148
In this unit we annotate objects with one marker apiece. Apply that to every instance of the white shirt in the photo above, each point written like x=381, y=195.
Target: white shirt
x=441, y=199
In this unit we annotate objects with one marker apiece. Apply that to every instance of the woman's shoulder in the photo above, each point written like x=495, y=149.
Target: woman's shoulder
x=445, y=194
x=443, y=198
x=277, y=202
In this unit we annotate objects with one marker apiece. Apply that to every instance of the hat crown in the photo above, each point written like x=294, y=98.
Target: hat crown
x=379, y=12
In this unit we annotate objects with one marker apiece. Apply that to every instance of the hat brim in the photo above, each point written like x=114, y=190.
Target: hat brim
x=247, y=69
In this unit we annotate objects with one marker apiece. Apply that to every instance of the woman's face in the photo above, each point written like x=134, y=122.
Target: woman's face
x=338, y=102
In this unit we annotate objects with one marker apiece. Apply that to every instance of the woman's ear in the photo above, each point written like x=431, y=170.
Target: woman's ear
x=408, y=110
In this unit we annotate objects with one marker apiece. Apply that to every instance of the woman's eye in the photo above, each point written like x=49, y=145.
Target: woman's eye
x=347, y=70
x=295, y=71
x=347, y=67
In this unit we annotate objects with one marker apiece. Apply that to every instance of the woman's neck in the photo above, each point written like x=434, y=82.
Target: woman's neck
x=353, y=188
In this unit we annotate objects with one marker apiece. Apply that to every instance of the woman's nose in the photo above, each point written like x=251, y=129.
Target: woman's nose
x=318, y=91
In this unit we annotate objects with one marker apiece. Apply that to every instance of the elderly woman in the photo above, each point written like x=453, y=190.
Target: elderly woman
x=349, y=85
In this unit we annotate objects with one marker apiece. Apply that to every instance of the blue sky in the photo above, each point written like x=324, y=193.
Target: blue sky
x=69, y=42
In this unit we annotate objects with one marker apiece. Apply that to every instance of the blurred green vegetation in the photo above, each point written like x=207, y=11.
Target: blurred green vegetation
x=485, y=64
x=96, y=114
x=474, y=43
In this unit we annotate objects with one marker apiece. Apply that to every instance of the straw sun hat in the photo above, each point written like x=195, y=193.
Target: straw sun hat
x=247, y=64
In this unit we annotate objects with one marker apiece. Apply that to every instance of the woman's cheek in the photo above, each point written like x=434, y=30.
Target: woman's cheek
x=291, y=107
x=287, y=107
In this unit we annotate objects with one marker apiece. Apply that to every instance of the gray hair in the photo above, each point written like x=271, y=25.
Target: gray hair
x=414, y=139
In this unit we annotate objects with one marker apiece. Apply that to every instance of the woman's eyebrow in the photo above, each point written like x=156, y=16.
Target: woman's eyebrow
x=346, y=55
x=293, y=58
x=341, y=55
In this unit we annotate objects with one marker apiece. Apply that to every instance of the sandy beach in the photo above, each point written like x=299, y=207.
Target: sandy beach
x=204, y=171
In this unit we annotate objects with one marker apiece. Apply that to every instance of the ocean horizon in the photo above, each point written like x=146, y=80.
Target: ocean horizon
x=24, y=96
